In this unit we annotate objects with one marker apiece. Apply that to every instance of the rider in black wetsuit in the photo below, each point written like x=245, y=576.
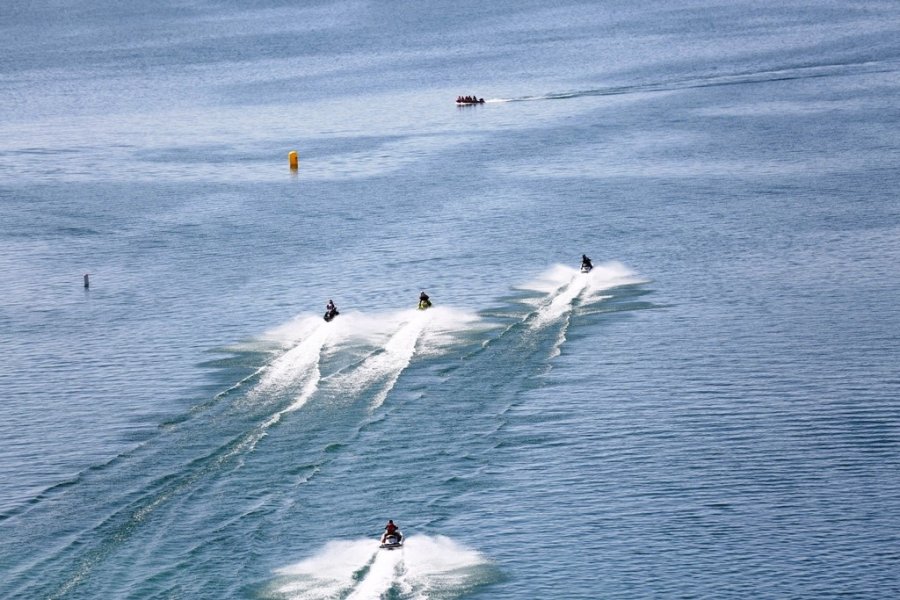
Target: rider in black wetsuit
x=331, y=310
x=424, y=302
x=586, y=262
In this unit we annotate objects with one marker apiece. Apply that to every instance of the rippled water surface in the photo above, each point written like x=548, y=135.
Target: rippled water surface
x=712, y=412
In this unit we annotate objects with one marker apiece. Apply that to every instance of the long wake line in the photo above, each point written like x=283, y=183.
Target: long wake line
x=747, y=77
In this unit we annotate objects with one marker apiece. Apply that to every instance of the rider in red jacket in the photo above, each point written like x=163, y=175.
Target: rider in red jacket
x=389, y=529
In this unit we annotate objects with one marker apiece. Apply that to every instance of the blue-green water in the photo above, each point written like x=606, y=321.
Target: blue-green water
x=713, y=412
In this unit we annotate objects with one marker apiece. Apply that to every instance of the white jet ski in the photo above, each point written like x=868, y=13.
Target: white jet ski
x=392, y=541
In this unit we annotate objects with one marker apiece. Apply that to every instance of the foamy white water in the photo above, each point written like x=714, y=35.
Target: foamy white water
x=358, y=570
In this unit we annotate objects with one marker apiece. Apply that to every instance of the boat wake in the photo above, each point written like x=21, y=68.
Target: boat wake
x=378, y=347
x=426, y=567
x=429, y=333
x=563, y=289
x=712, y=80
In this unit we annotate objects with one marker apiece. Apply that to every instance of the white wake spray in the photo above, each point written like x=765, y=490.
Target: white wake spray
x=382, y=573
x=429, y=332
x=358, y=570
x=562, y=286
x=295, y=363
x=299, y=366
x=394, y=336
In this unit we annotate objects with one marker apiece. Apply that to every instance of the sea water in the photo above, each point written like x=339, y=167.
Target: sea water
x=712, y=412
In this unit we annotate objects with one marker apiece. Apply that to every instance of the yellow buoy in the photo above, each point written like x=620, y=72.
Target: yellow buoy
x=292, y=159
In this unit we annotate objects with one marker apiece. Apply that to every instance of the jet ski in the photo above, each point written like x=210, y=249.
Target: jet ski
x=330, y=314
x=586, y=264
x=392, y=541
x=423, y=304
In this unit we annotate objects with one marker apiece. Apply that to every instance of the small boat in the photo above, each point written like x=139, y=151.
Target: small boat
x=463, y=101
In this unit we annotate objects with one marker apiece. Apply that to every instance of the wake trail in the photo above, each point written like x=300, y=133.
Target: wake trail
x=290, y=380
x=426, y=567
x=380, y=577
x=398, y=354
x=300, y=365
x=286, y=369
x=387, y=365
x=566, y=288
x=738, y=78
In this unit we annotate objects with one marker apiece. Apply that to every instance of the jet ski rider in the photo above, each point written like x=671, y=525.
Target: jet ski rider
x=330, y=307
x=390, y=529
x=424, y=302
x=586, y=262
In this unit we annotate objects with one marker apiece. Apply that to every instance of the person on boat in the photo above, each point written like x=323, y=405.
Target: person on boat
x=390, y=529
x=586, y=262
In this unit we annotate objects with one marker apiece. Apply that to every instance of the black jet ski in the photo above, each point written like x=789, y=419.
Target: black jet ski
x=330, y=314
x=392, y=541
x=586, y=264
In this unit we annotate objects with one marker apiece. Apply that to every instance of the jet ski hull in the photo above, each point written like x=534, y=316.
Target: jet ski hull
x=392, y=542
x=391, y=546
x=331, y=315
